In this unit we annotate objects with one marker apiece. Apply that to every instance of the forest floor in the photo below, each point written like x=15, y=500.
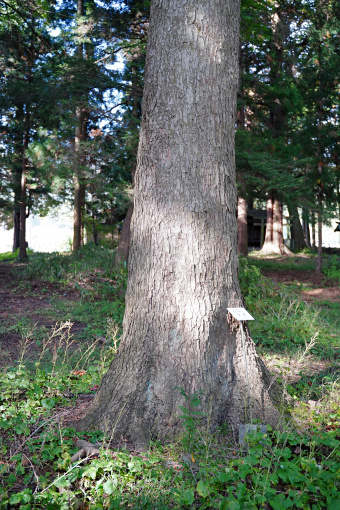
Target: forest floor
x=31, y=307
x=60, y=321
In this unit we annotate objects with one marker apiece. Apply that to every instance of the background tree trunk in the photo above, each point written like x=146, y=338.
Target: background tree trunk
x=297, y=231
x=183, y=258
x=17, y=172
x=22, y=234
x=124, y=239
x=273, y=242
x=78, y=179
x=320, y=194
x=306, y=231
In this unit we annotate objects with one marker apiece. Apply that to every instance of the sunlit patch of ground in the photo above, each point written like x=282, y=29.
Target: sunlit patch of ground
x=325, y=294
x=291, y=369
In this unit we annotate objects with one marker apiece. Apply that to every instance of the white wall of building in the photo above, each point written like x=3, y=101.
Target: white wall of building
x=53, y=232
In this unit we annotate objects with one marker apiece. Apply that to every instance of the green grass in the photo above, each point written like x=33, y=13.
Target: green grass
x=283, y=321
x=9, y=255
x=279, y=263
x=298, y=467
x=305, y=261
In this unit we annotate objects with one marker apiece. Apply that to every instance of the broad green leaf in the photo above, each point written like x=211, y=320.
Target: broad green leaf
x=203, y=489
x=109, y=486
x=186, y=496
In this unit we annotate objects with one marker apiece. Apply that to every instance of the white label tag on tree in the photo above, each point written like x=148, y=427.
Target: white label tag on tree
x=240, y=314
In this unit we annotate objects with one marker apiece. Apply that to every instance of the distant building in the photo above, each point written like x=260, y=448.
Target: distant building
x=257, y=220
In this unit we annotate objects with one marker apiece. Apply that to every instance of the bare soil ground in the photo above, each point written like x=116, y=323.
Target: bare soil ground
x=323, y=289
x=27, y=301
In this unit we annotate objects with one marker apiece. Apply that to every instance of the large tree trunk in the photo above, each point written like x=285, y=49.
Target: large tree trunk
x=183, y=258
x=273, y=242
x=296, y=228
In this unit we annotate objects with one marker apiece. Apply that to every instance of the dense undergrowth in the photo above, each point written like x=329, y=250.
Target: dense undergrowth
x=295, y=468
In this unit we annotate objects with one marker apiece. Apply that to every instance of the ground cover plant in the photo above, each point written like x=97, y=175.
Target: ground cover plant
x=63, y=312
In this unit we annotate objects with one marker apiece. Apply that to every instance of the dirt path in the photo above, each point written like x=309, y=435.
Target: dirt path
x=25, y=305
x=323, y=289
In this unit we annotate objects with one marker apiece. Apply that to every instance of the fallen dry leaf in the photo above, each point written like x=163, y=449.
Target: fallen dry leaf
x=79, y=372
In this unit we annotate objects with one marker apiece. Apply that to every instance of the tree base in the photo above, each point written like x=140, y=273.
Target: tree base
x=271, y=248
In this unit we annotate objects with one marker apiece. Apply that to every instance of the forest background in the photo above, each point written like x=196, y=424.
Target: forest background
x=70, y=115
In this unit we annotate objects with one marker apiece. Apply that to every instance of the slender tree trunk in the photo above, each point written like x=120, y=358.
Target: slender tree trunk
x=320, y=185
x=94, y=229
x=183, y=257
x=306, y=233
x=23, y=194
x=242, y=225
x=22, y=233
x=273, y=243
x=298, y=236
x=123, y=249
x=78, y=178
x=79, y=185
x=16, y=229
x=124, y=239
x=17, y=172
x=306, y=230
x=313, y=230
x=319, y=255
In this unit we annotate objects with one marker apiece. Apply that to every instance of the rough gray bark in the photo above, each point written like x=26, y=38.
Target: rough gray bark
x=183, y=257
